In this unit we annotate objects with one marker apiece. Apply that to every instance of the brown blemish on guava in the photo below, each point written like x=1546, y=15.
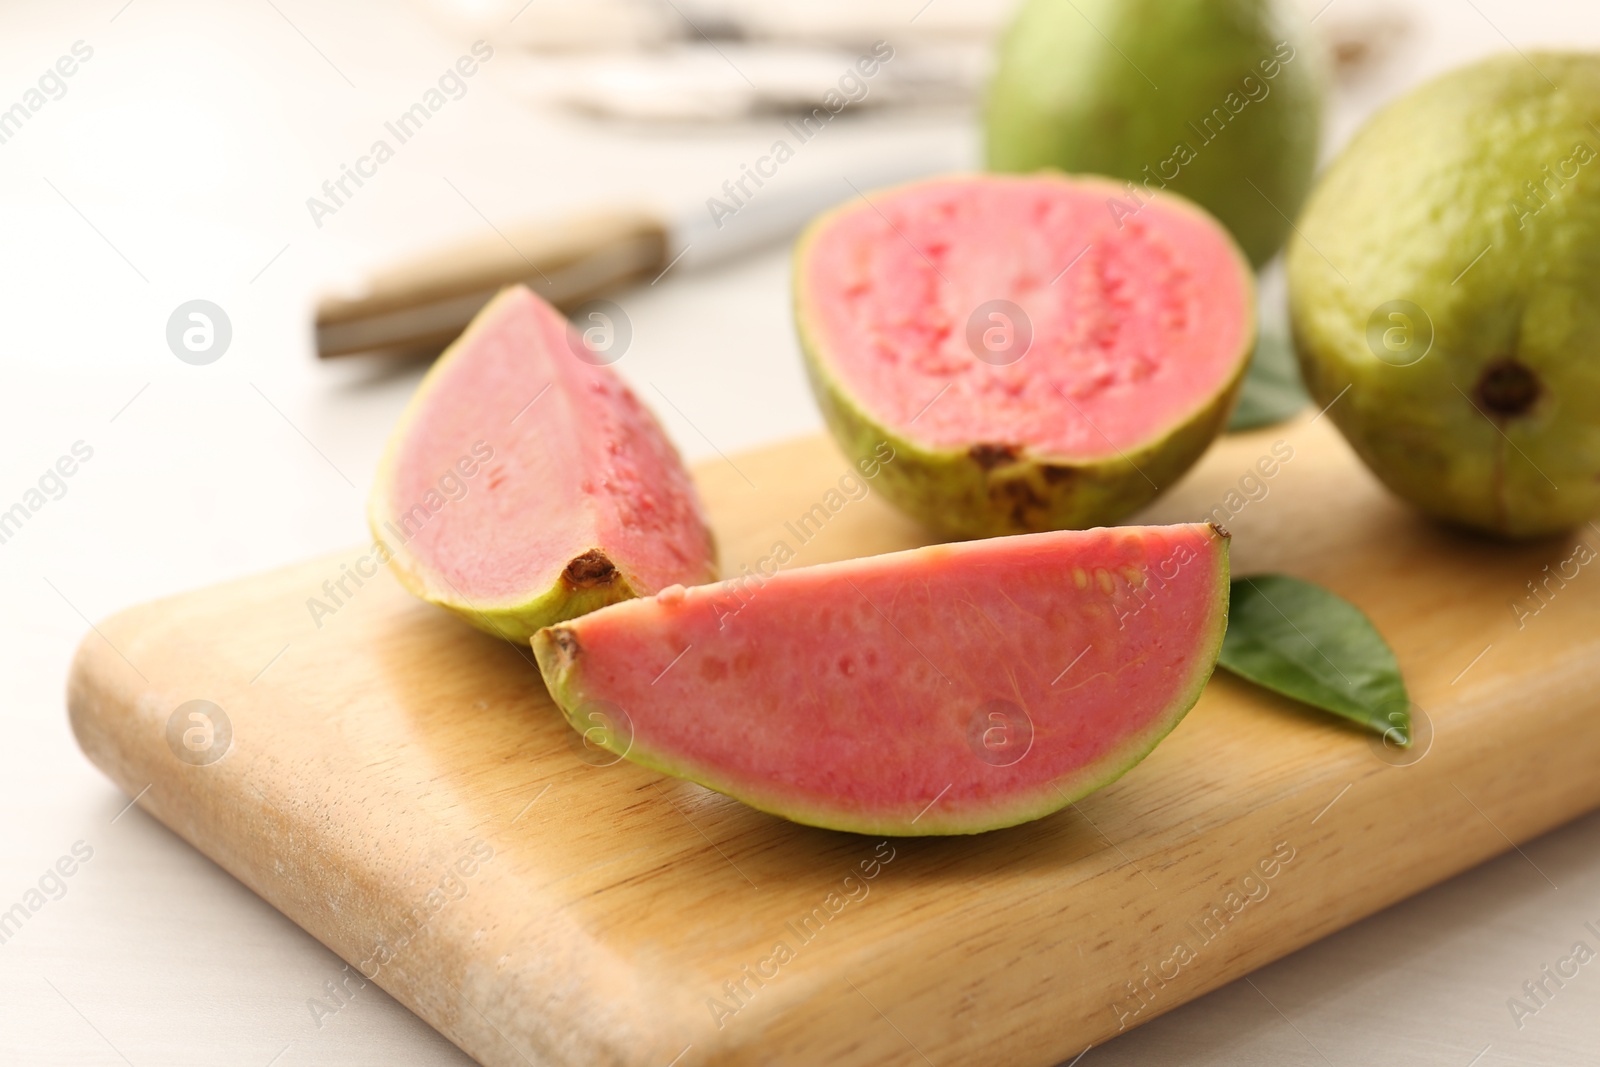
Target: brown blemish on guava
x=1021, y=491
x=1022, y=496
x=1507, y=389
x=1220, y=530
x=1055, y=475
x=991, y=456
x=590, y=570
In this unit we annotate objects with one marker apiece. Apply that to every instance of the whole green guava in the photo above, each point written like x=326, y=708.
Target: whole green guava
x=1219, y=100
x=1445, y=294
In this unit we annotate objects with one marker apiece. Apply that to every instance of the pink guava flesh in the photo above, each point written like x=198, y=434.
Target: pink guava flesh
x=1139, y=312
x=949, y=689
x=526, y=470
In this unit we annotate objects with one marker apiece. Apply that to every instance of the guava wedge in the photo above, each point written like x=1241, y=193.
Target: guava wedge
x=1218, y=101
x=945, y=690
x=1033, y=361
x=526, y=484
x=1445, y=294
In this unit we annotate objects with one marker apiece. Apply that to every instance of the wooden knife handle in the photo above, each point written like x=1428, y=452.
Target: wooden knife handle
x=426, y=302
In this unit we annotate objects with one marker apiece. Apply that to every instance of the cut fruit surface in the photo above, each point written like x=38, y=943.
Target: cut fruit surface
x=526, y=484
x=951, y=689
x=1048, y=350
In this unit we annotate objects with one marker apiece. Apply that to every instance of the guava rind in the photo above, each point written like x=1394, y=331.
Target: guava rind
x=1073, y=90
x=560, y=601
x=951, y=491
x=1420, y=208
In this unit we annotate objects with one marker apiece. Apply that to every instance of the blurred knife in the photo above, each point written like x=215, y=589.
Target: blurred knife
x=423, y=304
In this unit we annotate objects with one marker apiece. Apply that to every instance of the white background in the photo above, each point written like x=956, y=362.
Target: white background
x=176, y=167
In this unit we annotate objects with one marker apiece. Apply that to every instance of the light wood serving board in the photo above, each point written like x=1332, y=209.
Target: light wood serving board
x=400, y=785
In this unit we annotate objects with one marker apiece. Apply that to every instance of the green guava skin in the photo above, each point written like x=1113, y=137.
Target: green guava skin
x=1112, y=87
x=953, y=492
x=1497, y=426
x=949, y=491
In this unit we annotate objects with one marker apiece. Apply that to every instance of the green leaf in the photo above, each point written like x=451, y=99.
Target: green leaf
x=1302, y=641
x=1272, y=389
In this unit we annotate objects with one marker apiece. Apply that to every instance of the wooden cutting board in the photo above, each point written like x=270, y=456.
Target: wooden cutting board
x=400, y=785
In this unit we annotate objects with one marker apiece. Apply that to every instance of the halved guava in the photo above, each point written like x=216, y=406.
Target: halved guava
x=945, y=690
x=525, y=483
x=1041, y=352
